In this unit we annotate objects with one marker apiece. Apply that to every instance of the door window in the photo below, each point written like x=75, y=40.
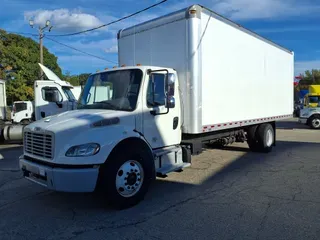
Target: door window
x=51, y=94
x=156, y=94
x=18, y=107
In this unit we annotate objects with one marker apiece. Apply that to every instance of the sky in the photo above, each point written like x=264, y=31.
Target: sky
x=293, y=24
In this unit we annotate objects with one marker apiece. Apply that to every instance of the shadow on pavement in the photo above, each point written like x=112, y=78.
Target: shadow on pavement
x=9, y=156
x=164, y=191
x=238, y=194
x=289, y=125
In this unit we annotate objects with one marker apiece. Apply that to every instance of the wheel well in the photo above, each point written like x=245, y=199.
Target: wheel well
x=133, y=142
x=312, y=116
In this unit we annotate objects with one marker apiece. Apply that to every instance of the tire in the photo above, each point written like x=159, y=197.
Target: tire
x=1, y=135
x=125, y=177
x=260, y=138
x=252, y=139
x=25, y=122
x=314, y=122
x=265, y=137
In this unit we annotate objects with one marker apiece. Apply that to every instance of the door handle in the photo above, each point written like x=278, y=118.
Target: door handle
x=175, y=122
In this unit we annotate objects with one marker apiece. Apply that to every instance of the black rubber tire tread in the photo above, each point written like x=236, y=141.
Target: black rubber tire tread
x=261, y=137
x=252, y=139
x=311, y=119
x=107, y=176
x=1, y=135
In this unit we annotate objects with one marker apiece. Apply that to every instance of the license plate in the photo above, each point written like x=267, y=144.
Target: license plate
x=42, y=172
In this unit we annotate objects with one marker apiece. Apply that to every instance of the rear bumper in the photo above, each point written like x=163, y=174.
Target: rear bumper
x=60, y=179
x=303, y=120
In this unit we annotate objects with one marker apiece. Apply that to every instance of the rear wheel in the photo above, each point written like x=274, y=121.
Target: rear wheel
x=252, y=139
x=261, y=138
x=126, y=176
x=265, y=135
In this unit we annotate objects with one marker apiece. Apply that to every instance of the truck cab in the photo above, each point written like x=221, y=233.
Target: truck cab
x=52, y=96
x=22, y=112
x=127, y=127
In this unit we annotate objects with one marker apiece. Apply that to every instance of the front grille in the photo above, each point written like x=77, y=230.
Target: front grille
x=38, y=144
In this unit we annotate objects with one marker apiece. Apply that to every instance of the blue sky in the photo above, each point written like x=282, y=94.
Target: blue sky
x=291, y=23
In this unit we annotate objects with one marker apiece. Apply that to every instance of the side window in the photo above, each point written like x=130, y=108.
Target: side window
x=51, y=94
x=156, y=95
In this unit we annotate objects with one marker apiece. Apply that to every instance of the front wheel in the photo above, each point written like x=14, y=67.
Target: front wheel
x=126, y=176
x=314, y=122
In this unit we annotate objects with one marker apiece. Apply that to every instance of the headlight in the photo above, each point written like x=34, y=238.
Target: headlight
x=83, y=150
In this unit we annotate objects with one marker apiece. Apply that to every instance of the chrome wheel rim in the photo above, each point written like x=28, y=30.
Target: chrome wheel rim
x=269, y=138
x=129, y=178
x=316, y=123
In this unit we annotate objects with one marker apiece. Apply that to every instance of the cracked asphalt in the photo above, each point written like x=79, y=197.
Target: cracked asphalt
x=228, y=193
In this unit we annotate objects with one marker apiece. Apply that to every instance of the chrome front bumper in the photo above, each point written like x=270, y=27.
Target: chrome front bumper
x=58, y=178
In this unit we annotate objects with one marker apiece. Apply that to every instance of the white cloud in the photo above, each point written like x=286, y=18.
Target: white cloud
x=64, y=20
x=113, y=49
x=302, y=66
x=82, y=63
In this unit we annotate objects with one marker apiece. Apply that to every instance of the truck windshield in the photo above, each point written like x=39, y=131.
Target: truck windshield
x=115, y=90
x=18, y=107
x=67, y=91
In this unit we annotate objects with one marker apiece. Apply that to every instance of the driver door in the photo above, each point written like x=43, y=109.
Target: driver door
x=161, y=126
x=49, y=100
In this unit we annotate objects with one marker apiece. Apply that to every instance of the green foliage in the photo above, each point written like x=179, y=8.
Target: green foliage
x=19, y=57
x=18, y=90
x=312, y=77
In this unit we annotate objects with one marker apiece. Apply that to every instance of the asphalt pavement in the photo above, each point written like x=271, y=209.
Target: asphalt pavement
x=228, y=193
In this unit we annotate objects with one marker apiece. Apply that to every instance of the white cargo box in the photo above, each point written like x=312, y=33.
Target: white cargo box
x=229, y=76
x=3, y=101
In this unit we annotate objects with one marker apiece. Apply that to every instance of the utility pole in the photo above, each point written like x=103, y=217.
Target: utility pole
x=41, y=36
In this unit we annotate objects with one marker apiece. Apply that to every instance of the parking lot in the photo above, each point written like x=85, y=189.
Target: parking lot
x=228, y=193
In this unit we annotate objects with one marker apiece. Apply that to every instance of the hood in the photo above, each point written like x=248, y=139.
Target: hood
x=75, y=119
x=53, y=77
x=50, y=75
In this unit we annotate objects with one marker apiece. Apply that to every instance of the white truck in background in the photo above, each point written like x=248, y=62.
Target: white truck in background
x=170, y=96
x=3, y=101
x=51, y=97
x=22, y=112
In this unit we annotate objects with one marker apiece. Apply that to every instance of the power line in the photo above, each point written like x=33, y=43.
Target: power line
x=112, y=22
x=89, y=54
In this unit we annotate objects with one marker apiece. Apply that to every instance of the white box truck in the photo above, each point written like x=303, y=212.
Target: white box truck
x=3, y=100
x=185, y=79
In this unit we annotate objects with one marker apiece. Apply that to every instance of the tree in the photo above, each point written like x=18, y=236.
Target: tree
x=21, y=55
x=83, y=78
x=313, y=76
x=18, y=90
